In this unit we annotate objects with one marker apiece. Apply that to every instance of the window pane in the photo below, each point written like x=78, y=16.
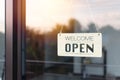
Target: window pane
x=2, y=37
x=46, y=18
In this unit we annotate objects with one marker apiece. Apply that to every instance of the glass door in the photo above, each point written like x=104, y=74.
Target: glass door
x=2, y=38
x=46, y=18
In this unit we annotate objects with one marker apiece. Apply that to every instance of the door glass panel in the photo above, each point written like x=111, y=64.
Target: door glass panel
x=2, y=38
x=46, y=18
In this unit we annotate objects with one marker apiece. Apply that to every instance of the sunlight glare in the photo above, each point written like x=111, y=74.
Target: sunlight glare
x=46, y=13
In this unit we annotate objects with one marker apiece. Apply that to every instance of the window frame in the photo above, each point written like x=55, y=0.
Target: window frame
x=14, y=36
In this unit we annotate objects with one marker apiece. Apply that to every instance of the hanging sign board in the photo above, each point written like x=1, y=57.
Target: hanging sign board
x=79, y=44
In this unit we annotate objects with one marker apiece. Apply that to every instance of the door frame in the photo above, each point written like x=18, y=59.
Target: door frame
x=14, y=44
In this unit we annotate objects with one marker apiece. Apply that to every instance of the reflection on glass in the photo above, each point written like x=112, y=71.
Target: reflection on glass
x=2, y=38
x=46, y=18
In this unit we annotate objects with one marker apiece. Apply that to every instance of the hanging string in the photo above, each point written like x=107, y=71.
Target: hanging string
x=91, y=13
x=61, y=29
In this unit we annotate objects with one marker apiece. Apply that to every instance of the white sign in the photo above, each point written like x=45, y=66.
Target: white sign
x=79, y=44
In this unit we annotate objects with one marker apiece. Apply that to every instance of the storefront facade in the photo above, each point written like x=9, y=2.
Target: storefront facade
x=31, y=44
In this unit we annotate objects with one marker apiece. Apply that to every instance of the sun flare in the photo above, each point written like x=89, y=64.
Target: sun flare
x=44, y=14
